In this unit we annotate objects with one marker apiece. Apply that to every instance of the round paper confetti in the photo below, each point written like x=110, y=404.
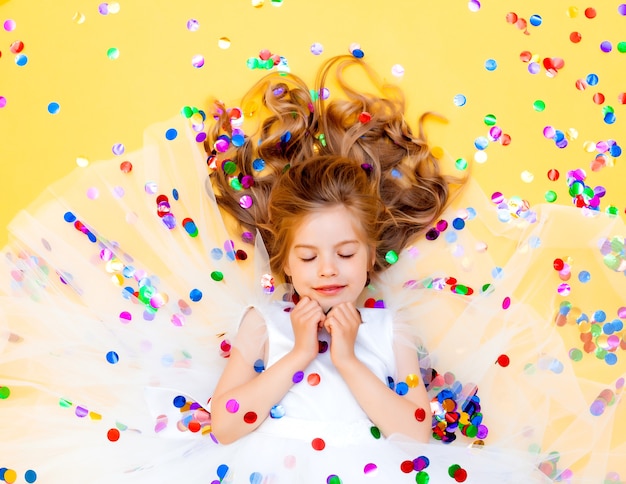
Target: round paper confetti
x=30, y=476
x=78, y=18
x=491, y=65
x=232, y=406
x=21, y=60
x=223, y=43
x=113, y=53
x=250, y=417
x=318, y=444
x=397, y=70
x=112, y=357
x=460, y=100
x=113, y=435
x=473, y=5
x=317, y=48
x=197, y=61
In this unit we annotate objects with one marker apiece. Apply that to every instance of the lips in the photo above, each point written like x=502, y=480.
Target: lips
x=329, y=290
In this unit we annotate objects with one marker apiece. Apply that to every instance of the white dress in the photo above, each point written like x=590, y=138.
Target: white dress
x=120, y=295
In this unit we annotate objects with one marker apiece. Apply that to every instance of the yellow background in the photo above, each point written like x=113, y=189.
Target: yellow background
x=443, y=47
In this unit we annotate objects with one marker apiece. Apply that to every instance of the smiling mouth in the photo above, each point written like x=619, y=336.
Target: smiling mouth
x=329, y=290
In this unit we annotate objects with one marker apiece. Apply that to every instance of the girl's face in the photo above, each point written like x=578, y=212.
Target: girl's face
x=329, y=257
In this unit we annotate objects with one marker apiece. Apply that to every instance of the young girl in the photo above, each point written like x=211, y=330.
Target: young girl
x=143, y=340
x=324, y=216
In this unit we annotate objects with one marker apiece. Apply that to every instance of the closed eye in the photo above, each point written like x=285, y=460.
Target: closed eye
x=346, y=256
x=307, y=259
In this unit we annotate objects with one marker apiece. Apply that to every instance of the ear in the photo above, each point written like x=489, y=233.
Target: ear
x=287, y=270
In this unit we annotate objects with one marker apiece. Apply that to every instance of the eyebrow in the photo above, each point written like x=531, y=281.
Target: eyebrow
x=345, y=242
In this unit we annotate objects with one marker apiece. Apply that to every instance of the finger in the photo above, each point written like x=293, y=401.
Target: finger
x=342, y=312
x=312, y=314
x=328, y=324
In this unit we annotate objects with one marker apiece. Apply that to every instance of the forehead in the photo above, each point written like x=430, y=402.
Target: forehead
x=329, y=225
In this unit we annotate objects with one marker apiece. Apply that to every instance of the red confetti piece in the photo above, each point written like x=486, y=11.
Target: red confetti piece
x=575, y=37
x=590, y=13
x=460, y=475
x=558, y=264
x=420, y=414
x=113, y=435
x=511, y=17
x=503, y=361
x=598, y=98
x=194, y=426
x=313, y=379
x=17, y=47
x=365, y=117
x=319, y=444
x=525, y=56
x=553, y=175
x=406, y=466
x=250, y=417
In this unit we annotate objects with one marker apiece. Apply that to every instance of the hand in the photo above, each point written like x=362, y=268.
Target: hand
x=342, y=323
x=306, y=319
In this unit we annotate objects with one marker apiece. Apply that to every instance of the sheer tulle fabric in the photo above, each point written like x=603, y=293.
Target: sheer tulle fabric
x=119, y=307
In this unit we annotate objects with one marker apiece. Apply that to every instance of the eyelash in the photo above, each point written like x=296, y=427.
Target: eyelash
x=340, y=255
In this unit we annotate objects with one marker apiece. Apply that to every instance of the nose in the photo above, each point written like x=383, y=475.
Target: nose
x=327, y=267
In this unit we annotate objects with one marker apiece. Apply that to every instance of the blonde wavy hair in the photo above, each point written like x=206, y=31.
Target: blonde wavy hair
x=393, y=183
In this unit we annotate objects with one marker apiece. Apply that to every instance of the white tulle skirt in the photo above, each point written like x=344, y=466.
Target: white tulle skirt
x=121, y=290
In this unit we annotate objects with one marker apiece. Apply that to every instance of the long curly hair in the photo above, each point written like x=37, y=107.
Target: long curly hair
x=392, y=167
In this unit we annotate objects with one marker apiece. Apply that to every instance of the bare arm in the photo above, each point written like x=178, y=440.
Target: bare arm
x=390, y=412
x=253, y=394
